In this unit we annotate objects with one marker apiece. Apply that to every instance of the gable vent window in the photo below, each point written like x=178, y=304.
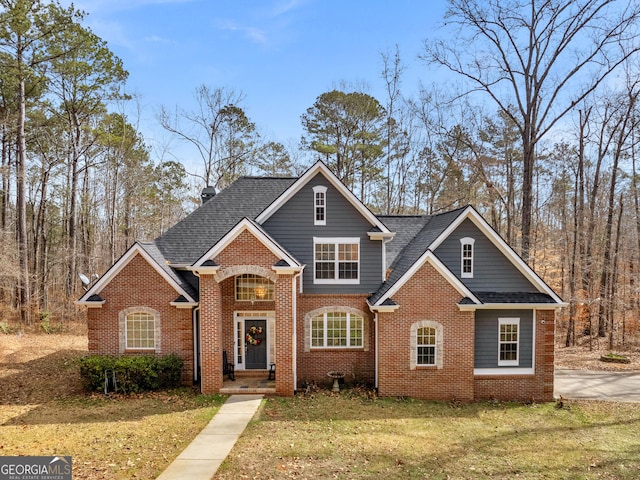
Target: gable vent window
x=467, y=257
x=320, y=205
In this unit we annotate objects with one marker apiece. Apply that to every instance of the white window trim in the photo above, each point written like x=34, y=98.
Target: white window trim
x=324, y=334
x=466, y=241
x=335, y=241
x=122, y=328
x=413, y=347
x=509, y=363
x=323, y=190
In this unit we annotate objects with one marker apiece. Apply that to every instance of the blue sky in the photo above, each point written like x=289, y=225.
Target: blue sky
x=281, y=53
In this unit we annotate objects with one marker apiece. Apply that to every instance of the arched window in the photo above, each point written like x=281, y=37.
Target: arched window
x=466, y=260
x=140, y=331
x=319, y=205
x=250, y=287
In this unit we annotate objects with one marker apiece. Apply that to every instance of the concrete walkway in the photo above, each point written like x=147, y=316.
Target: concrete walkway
x=202, y=457
x=589, y=385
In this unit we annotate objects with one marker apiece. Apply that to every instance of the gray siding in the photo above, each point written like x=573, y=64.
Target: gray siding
x=486, y=337
x=292, y=226
x=492, y=271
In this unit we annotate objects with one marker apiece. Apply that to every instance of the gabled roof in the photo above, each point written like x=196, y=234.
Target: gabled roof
x=246, y=224
x=437, y=228
x=186, y=241
x=320, y=167
x=152, y=255
x=407, y=261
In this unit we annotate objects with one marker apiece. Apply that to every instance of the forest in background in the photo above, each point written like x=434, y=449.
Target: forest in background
x=540, y=134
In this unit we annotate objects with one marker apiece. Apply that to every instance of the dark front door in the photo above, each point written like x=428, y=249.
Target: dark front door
x=255, y=339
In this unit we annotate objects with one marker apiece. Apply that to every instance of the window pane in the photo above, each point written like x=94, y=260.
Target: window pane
x=336, y=329
x=426, y=355
x=140, y=329
x=348, y=270
x=355, y=331
x=317, y=331
x=325, y=251
x=348, y=251
x=325, y=270
x=426, y=349
x=254, y=287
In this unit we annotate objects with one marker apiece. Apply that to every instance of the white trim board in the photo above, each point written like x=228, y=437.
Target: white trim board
x=246, y=225
x=320, y=167
x=117, y=267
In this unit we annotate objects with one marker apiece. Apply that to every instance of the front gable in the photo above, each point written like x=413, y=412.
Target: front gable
x=92, y=297
x=247, y=244
x=492, y=270
x=294, y=226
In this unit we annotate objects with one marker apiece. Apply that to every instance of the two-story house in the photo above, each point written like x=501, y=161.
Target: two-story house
x=297, y=272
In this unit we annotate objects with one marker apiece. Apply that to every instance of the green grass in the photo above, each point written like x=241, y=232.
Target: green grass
x=347, y=436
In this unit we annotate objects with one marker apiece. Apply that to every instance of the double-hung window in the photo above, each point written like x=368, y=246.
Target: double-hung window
x=466, y=260
x=508, y=341
x=337, y=330
x=426, y=345
x=336, y=260
x=319, y=205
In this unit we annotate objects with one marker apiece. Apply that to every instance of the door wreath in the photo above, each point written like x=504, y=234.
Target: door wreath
x=251, y=334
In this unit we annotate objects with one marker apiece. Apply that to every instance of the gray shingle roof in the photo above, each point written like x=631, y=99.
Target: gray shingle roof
x=405, y=227
x=415, y=248
x=175, y=275
x=189, y=239
x=513, y=297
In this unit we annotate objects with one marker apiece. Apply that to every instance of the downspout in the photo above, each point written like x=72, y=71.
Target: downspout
x=375, y=323
x=294, y=353
x=196, y=350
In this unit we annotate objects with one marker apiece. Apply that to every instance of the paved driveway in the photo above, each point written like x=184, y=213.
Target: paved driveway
x=611, y=386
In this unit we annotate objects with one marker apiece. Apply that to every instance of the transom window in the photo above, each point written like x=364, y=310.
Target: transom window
x=337, y=260
x=508, y=341
x=320, y=205
x=426, y=345
x=140, y=331
x=337, y=330
x=467, y=257
x=250, y=287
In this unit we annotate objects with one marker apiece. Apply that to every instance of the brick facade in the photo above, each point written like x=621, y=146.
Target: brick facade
x=427, y=296
x=313, y=364
x=426, y=299
x=139, y=287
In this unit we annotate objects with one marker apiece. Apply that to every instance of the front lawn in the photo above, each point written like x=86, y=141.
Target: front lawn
x=349, y=436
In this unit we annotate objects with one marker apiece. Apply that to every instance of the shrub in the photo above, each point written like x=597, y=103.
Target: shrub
x=133, y=374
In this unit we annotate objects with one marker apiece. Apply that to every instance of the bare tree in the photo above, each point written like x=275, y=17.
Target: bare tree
x=218, y=130
x=542, y=57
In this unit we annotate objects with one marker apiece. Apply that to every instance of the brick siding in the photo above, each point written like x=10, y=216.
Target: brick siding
x=138, y=284
x=427, y=296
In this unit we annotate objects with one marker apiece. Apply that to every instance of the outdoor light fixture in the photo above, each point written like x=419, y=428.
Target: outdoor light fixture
x=260, y=292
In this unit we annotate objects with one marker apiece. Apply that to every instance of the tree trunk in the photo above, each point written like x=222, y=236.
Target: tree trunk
x=24, y=294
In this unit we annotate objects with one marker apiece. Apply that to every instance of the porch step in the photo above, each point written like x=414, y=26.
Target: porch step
x=251, y=373
x=247, y=390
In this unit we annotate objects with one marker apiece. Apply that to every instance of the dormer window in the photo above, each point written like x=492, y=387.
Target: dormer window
x=319, y=205
x=466, y=252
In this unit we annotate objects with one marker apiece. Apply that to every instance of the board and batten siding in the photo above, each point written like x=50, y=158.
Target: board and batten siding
x=492, y=271
x=486, y=338
x=292, y=226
